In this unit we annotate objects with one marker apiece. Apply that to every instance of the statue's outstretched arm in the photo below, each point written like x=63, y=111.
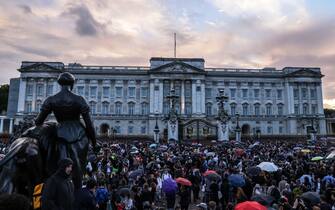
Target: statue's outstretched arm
x=45, y=111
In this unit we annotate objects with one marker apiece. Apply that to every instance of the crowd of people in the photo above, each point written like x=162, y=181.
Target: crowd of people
x=218, y=176
x=233, y=175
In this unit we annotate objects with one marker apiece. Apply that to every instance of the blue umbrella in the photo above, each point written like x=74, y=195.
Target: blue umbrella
x=302, y=178
x=236, y=180
x=169, y=186
x=328, y=179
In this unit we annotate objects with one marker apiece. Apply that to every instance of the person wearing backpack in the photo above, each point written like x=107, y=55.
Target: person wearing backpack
x=102, y=196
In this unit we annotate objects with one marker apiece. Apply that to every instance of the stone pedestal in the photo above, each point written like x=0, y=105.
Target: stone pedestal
x=173, y=130
x=223, y=131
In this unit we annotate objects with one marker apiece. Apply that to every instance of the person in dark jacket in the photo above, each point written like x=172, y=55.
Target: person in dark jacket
x=185, y=198
x=72, y=136
x=58, y=192
x=85, y=199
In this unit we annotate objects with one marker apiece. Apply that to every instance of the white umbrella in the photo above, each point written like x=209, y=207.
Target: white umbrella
x=331, y=155
x=268, y=166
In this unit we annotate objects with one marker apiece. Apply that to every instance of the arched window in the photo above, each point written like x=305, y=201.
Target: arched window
x=268, y=109
x=233, y=109
x=144, y=108
x=38, y=105
x=131, y=108
x=305, y=109
x=257, y=107
x=280, y=109
x=93, y=107
x=118, y=108
x=209, y=109
x=245, y=107
x=105, y=108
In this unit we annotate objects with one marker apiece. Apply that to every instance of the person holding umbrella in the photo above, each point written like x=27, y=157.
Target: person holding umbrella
x=185, y=197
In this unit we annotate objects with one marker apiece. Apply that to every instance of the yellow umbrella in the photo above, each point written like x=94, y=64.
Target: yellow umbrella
x=306, y=150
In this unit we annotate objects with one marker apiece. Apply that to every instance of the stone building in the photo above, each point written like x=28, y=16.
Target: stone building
x=130, y=98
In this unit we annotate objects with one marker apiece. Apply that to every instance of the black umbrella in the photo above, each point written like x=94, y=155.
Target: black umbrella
x=265, y=200
x=124, y=191
x=253, y=171
x=213, y=177
x=136, y=173
x=311, y=198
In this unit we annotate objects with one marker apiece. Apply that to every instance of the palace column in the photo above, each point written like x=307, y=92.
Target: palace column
x=182, y=99
x=22, y=95
x=1, y=125
x=11, y=122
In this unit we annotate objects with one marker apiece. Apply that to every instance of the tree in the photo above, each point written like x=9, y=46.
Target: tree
x=4, y=90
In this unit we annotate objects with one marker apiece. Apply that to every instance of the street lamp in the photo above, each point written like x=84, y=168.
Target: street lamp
x=238, y=128
x=156, y=130
x=258, y=134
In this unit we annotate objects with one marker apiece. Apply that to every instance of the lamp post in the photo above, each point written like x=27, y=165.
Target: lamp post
x=156, y=130
x=238, y=128
x=313, y=131
x=258, y=135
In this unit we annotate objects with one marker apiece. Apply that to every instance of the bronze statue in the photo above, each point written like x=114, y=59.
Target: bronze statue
x=72, y=136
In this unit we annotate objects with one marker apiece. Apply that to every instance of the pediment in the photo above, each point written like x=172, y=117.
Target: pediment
x=39, y=67
x=304, y=72
x=177, y=68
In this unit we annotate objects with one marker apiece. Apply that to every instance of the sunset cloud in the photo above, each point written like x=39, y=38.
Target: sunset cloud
x=239, y=33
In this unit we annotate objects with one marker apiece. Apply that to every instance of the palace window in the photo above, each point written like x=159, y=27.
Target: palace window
x=130, y=129
x=93, y=92
x=245, y=93
x=233, y=109
x=279, y=94
x=93, y=107
x=232, y=93
x=305, y=109
x=208, y=109
x=144, y=92
x=131, y=92
x=29, y=90
x=131, y=108
x=40, y=89
x=143, y=130
x=304, y=93
x=105, y=109
x=269, y=109
x=118, y=108
x=188, y=108
x=296, y=109
x=166, y=107
x=50, y=88
x=257, y=109
x=313, y=94
x=144, y=108
x=118, y=92
x=80, y=90
x=208, y=92
x=268, y=93
x=256, y=93
x=314, y=108
x=28, y=106
x=105, y=92
x=245, y=107
x=38, y=106
x=296, y=94
x=280, y=109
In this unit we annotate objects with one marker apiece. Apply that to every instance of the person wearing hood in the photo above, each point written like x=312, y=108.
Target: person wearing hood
x=58, y=192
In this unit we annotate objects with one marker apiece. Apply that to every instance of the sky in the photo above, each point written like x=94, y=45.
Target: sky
x=226, y=33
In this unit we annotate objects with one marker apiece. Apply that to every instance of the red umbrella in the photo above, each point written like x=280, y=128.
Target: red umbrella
x=208, y=172
x=239, y=152
x=250, y=205
x=183, y=181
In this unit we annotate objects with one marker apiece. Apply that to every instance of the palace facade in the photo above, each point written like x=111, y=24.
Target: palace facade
x=130, y=99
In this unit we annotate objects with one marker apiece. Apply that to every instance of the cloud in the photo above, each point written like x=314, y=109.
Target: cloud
x=86, y=25
x=25, y=8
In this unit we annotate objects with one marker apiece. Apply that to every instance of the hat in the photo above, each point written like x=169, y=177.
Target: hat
x=202, y=205
x=63, y=163
x=66, y=78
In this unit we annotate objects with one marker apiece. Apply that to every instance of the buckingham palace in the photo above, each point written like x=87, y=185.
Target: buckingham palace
x=132, y=100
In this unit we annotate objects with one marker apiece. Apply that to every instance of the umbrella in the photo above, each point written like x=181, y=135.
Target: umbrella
x=250, y=205
x=208, y=172
x=254, y=171
x=213, y=176
x=136, y=173
x=169, y=186
x=302, y=178
x=236, y=180
x=306, y=150
x=254, y=145
x=268, y=166
x=328, y=179
x=210, y=154
x=317, y=158
x=151, y=164
x=152, y=146
x=312, y=198
x=183, y=181
x=297, y=148
x=263, y=199
x=124, y=191
x=239, y=151
x=331, y=155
